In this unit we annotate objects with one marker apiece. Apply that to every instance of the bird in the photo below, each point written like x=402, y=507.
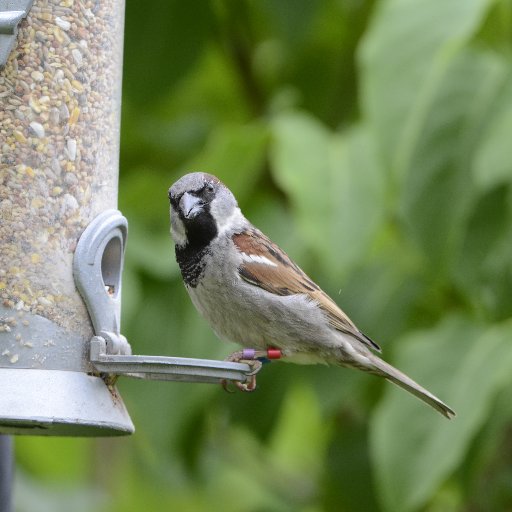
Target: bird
x=252, y=293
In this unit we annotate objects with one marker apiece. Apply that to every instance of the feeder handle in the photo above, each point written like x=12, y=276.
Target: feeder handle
x=11, y=13
x=166, y=368
x=97, y=268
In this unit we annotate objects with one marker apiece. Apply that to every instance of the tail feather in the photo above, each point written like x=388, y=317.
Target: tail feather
x=400, y=379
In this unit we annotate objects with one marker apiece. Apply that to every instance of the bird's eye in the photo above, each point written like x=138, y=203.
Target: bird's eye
x=208, y=191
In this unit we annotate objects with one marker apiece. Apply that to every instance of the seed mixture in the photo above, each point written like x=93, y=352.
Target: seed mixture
x=59, y=146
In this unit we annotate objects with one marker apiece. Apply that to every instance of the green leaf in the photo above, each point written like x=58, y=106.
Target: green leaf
x=292, y=18
x=413, y=447
x=493, y=163
x=484, y=266
x=151, y=252
x=287, y=444
x=55, y=495
x=243, y=463
x=427, y=98
x=488, y=472
x=334, y=183
x=163, y=41
x=404, y=57
x=382, y=296
x=235, y=154
x=440, y=164
x=51, y=458
x=144, y=199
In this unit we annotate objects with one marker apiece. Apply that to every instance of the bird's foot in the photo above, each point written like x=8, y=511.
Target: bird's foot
x=255, y=360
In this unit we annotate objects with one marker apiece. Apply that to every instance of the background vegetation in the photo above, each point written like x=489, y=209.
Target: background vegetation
x=372, y=140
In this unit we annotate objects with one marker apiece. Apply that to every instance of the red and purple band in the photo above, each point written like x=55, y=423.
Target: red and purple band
x=270, y=353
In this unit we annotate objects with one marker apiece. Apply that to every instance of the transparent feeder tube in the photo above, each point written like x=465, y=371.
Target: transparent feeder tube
x=59, y=140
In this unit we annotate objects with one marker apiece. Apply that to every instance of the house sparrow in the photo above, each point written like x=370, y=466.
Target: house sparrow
x=252, y=293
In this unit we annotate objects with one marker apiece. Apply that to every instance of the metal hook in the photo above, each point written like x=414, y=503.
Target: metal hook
x=97, y=268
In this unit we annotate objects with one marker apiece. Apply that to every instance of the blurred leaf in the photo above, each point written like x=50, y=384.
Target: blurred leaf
x=484, y=266
x=163, y=41
x=162, y=134
x=242, y=463
x=404, y=57
x=30, y=494
x=323, y=52
x=281, y=474
x=209, y=93
x=131, y=291
x=414, y=448
x=490, y=489
x=144, y=200
x=151, y=252
x=440, y=162
x=292, y=18
x=335, y=185
x=66, y=459
x=495, y=30
x=382, y=295
x=235, y=154
x=135, y=491
x=492, y=164
x=293, y=427
x=348, y=466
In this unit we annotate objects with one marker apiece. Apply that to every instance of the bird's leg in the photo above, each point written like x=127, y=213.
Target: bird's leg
x=249, y=357
x=255, y=359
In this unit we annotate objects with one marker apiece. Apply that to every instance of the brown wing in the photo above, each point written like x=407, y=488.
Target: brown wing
x=281, y=276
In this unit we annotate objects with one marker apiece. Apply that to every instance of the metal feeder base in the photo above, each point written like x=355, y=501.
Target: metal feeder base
x=60, y=403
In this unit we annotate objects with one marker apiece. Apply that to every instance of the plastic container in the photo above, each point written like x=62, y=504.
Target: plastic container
x=60, y=96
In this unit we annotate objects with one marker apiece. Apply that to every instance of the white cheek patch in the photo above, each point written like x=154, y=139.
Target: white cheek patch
x=257, y=258
x=178, y=230
x=227, y=222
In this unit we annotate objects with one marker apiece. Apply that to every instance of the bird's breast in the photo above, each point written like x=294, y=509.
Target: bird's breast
x=192, y=263
x=248, y=315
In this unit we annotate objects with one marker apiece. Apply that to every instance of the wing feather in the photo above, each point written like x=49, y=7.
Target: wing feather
x=265, y=265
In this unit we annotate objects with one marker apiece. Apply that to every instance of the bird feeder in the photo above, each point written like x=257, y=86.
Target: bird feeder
x=62, y=239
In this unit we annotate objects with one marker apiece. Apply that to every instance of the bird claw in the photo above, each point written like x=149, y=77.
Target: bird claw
x=255, y=365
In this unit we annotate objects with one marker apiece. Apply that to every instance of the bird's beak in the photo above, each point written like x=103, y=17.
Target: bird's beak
x=190, y=205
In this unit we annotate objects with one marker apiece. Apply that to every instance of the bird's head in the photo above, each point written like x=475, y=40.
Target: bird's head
x=201, y=207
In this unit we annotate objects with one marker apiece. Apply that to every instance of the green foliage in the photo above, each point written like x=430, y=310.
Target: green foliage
x=372, y=143
x=342, y=200
x=475, y=363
